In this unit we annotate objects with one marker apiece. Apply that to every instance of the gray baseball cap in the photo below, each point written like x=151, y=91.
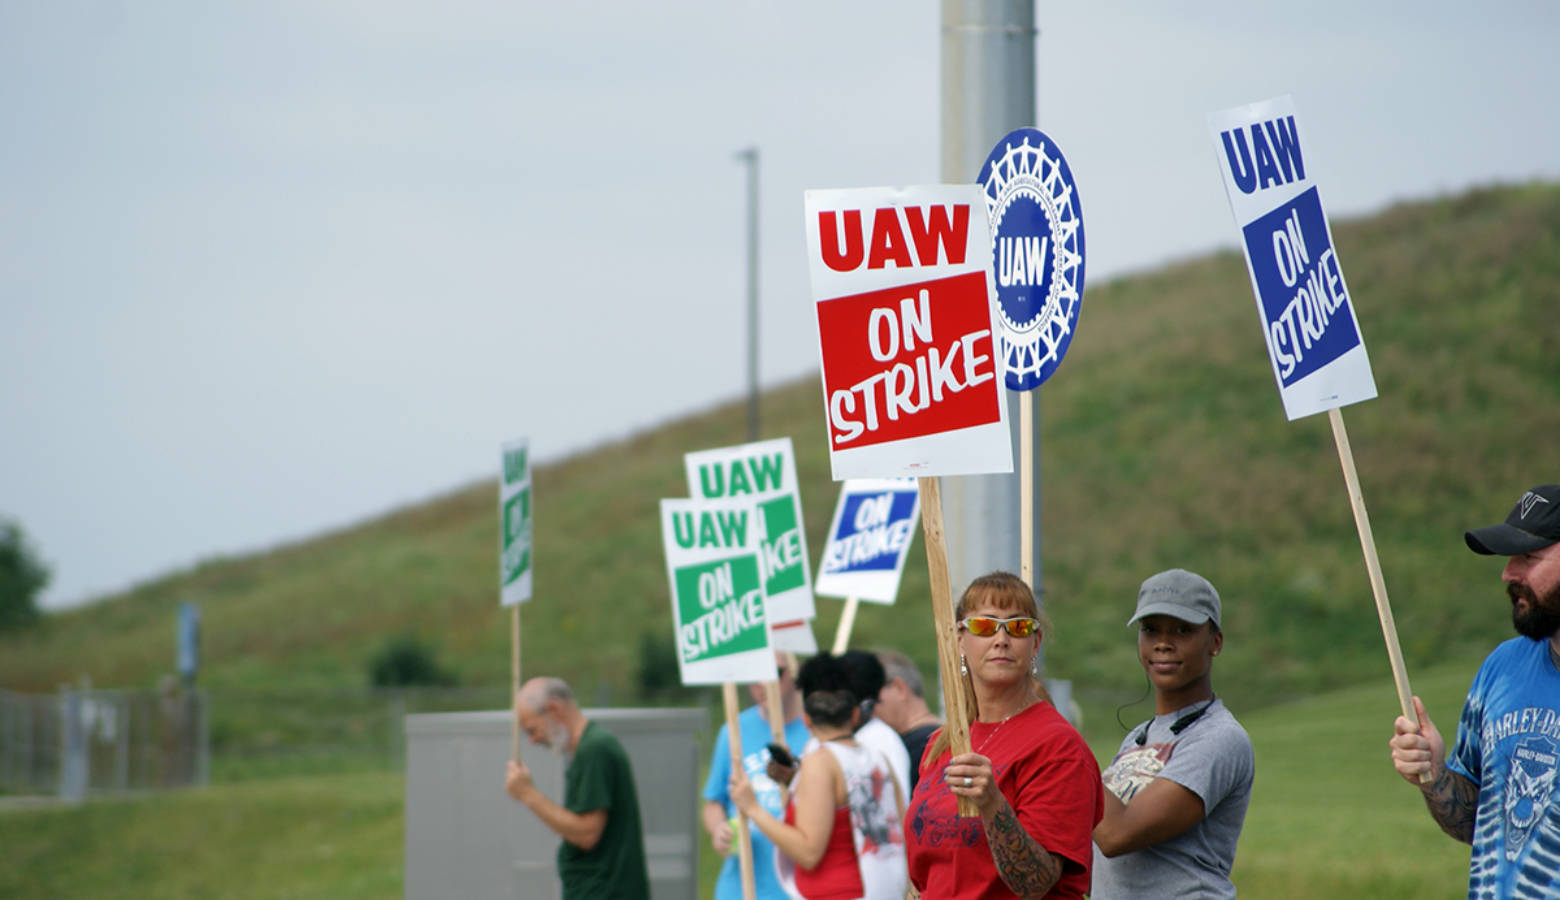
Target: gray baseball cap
x=1176, y=592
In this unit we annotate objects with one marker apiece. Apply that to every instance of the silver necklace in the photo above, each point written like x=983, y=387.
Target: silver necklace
x=999, y=727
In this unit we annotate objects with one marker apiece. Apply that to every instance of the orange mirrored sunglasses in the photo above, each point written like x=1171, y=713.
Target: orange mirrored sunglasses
x=986, y=626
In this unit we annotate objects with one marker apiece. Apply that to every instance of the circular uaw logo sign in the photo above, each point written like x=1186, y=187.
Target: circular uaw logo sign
x=1037, y=223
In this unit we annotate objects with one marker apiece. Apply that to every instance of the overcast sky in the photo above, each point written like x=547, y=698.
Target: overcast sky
x=268, y=269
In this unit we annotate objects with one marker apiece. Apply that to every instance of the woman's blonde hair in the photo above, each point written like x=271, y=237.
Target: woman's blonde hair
x=1005, y=591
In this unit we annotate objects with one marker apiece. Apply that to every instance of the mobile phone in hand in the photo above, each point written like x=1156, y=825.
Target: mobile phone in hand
x=780, y=754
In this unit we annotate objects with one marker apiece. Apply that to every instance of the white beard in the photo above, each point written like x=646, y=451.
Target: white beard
x=558, y=739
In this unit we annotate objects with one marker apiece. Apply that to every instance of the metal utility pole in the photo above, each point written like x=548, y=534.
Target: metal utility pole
x=988, y=89
x=750, y=156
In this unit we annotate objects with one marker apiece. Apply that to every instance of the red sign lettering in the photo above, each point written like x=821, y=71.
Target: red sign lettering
x=899, y=363
x=938, y=234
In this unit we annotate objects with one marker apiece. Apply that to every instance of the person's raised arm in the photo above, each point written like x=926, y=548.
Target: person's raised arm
x=815, y=800
x=1416, y=749
x=1159, y=812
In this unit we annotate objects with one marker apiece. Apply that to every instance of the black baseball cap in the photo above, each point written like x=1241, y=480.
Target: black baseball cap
x=1534, y=523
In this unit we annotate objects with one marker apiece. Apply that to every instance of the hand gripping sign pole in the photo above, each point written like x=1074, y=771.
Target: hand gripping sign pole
x=955, y=697
x=514, y=568
x=1038, y=260
x=720, y=612
x=1308, y=318
x=912, y=383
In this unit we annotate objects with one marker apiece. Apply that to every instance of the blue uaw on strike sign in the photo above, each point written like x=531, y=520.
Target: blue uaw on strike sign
x=1308, y=319
x=874, y=523
x=1037, y=253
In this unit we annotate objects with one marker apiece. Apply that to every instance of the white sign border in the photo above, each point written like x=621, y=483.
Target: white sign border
x=1345, y=380
x=976, y=450
x=874, y=587
x=796, y=603
x=519, y=590
x=749, y=666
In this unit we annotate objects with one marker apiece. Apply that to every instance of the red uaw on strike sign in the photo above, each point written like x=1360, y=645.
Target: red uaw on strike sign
x=912, y=385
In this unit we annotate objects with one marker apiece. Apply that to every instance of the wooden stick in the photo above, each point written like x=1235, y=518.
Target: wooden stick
x=728, y=692
x=776, y=715
x=1378, y=585
x=954, y=698
x=847, y=622
x=1026, y=491
x=514, y=667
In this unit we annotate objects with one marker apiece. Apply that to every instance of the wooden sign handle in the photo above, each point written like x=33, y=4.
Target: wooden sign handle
x=776, y=715
x=728, y=692
x=955, y=700
x=1378, y=584
x=1026, y=491
x=514, y=667
x=847, y=622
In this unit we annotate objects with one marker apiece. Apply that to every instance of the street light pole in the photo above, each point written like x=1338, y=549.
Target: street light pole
x=750, y=156
x=988, y=89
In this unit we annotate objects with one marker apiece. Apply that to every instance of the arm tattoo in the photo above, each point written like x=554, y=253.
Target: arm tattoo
x=1028, y=869
x=1453, y=801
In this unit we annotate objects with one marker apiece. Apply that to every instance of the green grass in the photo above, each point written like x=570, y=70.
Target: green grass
x=1328, y=818
x=294, y=837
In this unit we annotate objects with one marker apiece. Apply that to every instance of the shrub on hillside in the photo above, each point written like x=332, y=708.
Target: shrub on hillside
x=405, y=661
x=22, y=577
x=658, y=671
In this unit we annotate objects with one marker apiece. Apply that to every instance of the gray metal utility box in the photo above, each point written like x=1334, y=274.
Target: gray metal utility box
x=465, y=837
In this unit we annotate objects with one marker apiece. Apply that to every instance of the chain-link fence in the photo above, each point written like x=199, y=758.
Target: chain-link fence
x=78, y=742
x=263, y=733
x=81, y=742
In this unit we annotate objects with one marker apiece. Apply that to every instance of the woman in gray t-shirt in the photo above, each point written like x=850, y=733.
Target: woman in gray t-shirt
x=1176, y=793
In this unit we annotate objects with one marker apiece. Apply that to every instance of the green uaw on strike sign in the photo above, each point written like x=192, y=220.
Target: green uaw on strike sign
x=719, y=607
x=765, y=474
x=514, y=512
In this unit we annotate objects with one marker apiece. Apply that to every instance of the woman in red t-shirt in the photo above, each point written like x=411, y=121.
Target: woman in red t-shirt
x=1032, y=777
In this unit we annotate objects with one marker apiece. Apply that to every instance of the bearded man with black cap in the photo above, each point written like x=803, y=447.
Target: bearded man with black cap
x=1499, y=790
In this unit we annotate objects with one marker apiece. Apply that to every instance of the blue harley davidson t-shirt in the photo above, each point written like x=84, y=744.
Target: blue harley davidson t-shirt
x=1508, y=743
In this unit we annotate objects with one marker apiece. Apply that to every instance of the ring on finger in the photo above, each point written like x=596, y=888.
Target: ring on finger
x=968, y=781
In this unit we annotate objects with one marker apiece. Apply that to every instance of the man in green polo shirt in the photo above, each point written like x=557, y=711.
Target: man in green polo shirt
x=603, y=851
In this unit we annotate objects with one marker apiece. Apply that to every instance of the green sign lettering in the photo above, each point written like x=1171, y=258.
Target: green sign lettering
x=517, y=535
x=720, y=608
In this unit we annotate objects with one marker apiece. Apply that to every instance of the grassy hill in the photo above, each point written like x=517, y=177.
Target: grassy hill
x=1164, y=444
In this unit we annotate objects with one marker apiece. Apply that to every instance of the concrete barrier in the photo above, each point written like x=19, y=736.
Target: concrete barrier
x=466, y=838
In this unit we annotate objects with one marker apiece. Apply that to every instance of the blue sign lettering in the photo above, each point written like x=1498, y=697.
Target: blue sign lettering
x=1305, y=304
x=1271, y=157
x=874, y=529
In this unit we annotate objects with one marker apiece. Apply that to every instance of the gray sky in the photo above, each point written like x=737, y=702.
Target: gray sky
x=269, y=269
